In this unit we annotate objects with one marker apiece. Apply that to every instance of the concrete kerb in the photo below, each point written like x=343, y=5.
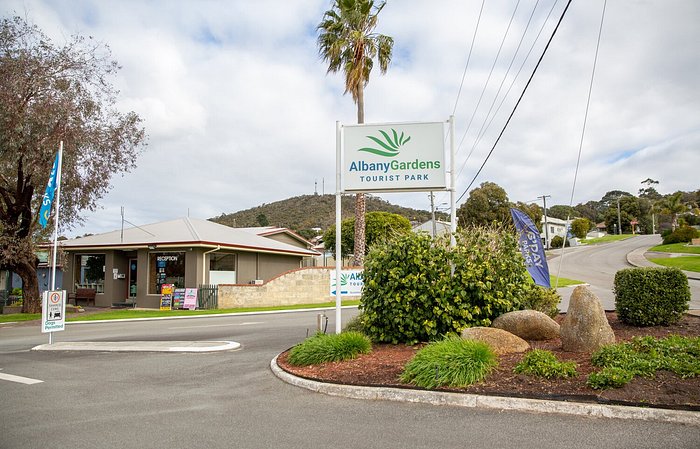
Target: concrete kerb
x=636, y=259
x=489, y=402
x=141, y=346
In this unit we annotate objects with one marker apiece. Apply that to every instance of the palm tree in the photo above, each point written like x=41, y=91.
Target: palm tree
x=348, y=43
x=673, y=205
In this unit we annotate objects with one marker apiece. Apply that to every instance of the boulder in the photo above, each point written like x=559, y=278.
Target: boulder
x=528, y=325
x=585, y=327
x=502, y=342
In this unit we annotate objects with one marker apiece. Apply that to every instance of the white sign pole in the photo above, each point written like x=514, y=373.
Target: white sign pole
x=338, y=224
x=55, y=226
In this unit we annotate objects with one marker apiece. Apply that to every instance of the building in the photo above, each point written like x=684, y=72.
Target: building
x=440, y=228
x=554, y=227
x=132, y=265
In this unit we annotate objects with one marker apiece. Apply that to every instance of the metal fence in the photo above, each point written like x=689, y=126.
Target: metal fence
x=208, y=297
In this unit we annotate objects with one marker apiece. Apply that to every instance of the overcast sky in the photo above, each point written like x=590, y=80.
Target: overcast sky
x=239, y=109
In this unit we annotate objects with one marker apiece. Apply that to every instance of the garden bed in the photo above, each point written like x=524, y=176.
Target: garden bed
x=383, y=366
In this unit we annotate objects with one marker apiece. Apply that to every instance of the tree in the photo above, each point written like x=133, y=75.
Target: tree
x=532, y=210
x=348, y=43
x=486, y=204
x=262, y=220
x=629, y=210
x=673, y=205
x=50, y=94
x=593, y=210
x=580, y=227
x=611, y=197
x=649, y=191
x=561, y=212
x=380, y=227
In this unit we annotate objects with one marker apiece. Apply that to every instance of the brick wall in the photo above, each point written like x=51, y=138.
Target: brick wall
x=309, y=285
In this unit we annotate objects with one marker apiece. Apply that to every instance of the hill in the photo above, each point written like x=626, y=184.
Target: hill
x=302, y=213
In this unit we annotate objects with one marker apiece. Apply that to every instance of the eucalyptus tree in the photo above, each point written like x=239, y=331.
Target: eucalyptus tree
x=48, y=94
x=347, y=41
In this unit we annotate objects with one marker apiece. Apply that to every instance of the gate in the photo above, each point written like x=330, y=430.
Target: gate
x=208, y=297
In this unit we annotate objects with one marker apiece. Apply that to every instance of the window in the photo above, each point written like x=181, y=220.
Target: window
x=90, y=272
x=222, y=268
x=165, y=268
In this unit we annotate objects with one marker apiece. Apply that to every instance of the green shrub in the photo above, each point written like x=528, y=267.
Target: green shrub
x=545, y=300
x=683, y=234
x=609, y=378
x=651, y=296
x=17, y=291
x=452, y=362
x=539, y=362
x=643, y=356
x=356, y=324
x=410, y=296
x=329, y=348
x=557, y=241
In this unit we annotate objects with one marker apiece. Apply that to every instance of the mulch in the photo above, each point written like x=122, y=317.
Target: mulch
x=383, y=366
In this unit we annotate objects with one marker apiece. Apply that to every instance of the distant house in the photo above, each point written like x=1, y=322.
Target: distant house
x=134, y=264
x=554, y=227
x=441, y=227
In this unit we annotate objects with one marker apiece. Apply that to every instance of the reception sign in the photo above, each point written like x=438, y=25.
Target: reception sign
x=394, y=157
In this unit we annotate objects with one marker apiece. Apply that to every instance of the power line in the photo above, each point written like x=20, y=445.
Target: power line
x=469, y=57
x=518, y=102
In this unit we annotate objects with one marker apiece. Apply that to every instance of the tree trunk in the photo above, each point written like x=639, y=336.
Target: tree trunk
x=31, y=302
x=359, y=250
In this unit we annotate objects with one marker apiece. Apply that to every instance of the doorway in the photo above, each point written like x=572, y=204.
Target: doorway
x=133, y=270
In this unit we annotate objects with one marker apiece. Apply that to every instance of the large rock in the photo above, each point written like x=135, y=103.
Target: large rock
x=502, y=342
x=585, y=327
x=528, y=324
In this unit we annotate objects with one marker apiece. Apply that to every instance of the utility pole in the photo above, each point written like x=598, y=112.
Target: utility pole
x=619, y=222
x=432, y=212
x=546, y=227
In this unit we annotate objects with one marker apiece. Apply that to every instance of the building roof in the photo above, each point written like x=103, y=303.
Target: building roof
x=185, y=232
x=555, y=221
x=267, y=231
x=441, y=227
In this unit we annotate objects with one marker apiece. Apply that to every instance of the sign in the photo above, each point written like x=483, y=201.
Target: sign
x=179, y=298
x=351, y=282
x=190, y=298
x=53, y=311
x=531, y=248
x=394, y=157
x=166, y=296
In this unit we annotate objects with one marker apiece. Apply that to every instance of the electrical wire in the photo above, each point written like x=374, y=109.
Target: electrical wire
x=469, y=57
x=488, y=156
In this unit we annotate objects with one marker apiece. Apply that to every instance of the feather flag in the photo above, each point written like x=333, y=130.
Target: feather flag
x=47, y=200
x=531, y=248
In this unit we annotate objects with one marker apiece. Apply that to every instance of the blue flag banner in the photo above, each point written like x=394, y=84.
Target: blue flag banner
x=47, y=200
x=531, y=248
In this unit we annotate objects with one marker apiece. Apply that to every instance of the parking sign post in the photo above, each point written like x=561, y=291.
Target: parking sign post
x=53, y=312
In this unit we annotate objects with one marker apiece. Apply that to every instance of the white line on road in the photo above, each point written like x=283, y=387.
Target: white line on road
x=250, y=323
x=20, y=379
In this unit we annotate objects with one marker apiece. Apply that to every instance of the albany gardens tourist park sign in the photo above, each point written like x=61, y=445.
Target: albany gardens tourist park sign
x=391, y=157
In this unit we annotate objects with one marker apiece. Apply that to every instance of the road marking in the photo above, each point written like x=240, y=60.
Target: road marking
x=249, y=323
x=20, y=379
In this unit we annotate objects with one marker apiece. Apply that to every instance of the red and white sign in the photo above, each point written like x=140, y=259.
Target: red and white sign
x=53, y=311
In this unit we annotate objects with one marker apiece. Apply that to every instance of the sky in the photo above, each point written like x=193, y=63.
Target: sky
x=239, y=109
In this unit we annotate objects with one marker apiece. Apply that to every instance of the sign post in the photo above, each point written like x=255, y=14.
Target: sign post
x=390, y=157
x=53, y=312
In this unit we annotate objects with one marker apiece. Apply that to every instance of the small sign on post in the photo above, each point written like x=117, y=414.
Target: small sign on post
x=53, y=311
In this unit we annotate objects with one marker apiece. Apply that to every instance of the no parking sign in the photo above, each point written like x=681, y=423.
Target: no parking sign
x=53, y=311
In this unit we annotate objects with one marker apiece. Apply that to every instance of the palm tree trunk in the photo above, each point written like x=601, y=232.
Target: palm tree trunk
x=359, y=250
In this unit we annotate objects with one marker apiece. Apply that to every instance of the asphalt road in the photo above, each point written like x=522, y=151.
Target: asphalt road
x=231, y=399
x=597, y=265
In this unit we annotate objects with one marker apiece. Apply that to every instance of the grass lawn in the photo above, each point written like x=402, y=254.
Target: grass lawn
x=123, y=314
x=687, y=263
x=676, y=248
x=563, y=282
x=606, y=239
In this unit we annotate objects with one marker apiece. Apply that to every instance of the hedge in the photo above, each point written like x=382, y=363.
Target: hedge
x=651, y=296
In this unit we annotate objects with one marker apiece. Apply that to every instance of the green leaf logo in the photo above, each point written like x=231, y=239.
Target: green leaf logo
x=389, y=145
x=344, y=279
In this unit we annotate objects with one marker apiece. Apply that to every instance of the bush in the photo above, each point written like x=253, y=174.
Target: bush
x=545, y=300
x=580, y=227
x=410, y=295
x=643, y=356
x=684, y=234
x=356, y=324
x=452, y=362
x=651, y=296
x=539, y=362
x=329, y=348
x=557, y=241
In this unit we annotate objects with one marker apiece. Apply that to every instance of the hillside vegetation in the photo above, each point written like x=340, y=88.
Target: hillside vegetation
x=302, y=213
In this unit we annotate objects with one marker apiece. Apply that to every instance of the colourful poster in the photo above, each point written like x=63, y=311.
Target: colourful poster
x=179, y=298
x=190, y=298
x=166, y=296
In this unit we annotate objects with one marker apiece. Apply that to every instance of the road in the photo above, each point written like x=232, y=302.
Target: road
x=231, y=399
x=597, y=265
